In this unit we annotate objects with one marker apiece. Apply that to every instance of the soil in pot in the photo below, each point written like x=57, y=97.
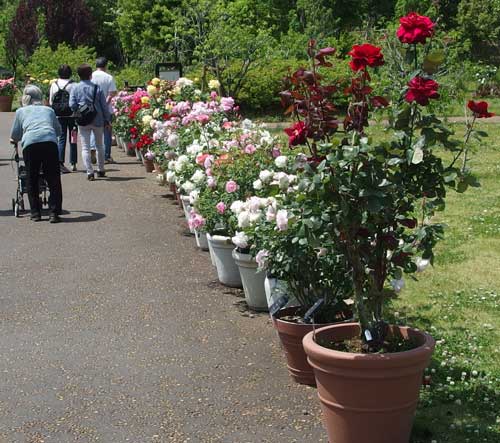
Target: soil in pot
x=291, y=330
x=369, y=398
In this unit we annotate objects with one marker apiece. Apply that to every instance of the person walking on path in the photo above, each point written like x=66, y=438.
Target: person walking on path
x=37, y=128
x=107, y=83
x=90, y=97
x=59, y=95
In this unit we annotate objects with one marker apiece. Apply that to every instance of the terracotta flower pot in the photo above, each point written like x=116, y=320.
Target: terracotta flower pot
x=6, y=103
x=148, y=164
x=369, y=398
x=291, y=335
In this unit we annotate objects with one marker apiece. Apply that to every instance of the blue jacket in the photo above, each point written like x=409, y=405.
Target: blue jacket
x=35, y=124
x=83, y=93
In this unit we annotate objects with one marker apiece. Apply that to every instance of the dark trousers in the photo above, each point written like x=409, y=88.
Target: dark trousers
x=67, y=125
x=43, y=155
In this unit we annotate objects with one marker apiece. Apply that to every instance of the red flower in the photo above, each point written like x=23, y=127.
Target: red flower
x=480, y=109
x=421, y=90
x=365, y=55
x=297, y=134
x=415, y=28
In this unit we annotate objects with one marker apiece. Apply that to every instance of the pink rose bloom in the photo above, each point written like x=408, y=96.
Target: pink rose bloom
x=282, y=220
x=213, y=95
x=250, y=149
x=261, y=258
x=203, y=119
x=227, y=103
x=195, y=220
x=208, y=171
x=221, y=207
x=200, y=159
x=231, y=186
x=208, y=162
x=211, y=183
x=227, y=125
x=276, y=152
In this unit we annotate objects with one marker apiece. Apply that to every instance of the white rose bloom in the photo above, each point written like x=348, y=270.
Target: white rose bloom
x=156, y=113
x=266, y=138
x=281, y=161
x=254, y=204
x=198, y=176
x=171, y=164
x=237, y=206
x=282, y=179
x=257, y=185
x=255, y=217
x=194, y=148
x=183, y=81
x=214, y=84
x=422, y=264
x=244, y=219
x=271, y=214
x=265, y=176
x=171, y=176
x=240, y=240
x=173, y=140
x=398, y=285
x=247, y=124
x=188, y=186
x=197, y=91
x=146, y=120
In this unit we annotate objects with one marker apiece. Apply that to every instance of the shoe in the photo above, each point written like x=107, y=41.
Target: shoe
x=90, y=177
x=54, y=218
x=73, y=167
x=36, y=217
x=93, y=158
x=109, y=161
x=64, y=169
x=101, y=174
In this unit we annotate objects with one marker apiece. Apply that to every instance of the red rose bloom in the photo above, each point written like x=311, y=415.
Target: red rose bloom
x=421, y=90
x=480, y=109
x=415, y=28
x=297, y=134
x=365, y=55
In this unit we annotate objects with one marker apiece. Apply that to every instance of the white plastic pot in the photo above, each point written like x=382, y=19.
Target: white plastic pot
x=212, y=257
x=187, y=210
x=227, y=271
x=253, y=281
x=201, y=240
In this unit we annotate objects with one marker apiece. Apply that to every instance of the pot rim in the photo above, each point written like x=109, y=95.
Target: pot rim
x=316, y=351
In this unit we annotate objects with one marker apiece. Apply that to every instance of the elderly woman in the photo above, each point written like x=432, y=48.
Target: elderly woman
x=37, y=128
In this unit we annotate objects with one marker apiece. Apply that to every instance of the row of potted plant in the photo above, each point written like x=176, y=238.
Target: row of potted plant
x=330, y=222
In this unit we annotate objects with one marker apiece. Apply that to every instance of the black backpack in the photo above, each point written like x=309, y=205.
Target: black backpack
x=60, y=101
x=86, y=113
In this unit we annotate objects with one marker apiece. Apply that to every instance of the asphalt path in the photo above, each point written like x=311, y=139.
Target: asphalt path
x=114, y=329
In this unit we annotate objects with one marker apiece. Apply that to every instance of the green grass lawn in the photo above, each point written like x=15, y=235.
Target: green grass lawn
x=458, y=302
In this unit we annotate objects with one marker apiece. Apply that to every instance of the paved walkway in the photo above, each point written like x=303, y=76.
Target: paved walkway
x=113, y=329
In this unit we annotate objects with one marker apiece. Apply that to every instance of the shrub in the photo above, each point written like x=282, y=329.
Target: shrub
x=135, y=76
x=45, y=62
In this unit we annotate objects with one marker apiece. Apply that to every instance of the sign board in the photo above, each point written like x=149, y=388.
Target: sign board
x=168, y=71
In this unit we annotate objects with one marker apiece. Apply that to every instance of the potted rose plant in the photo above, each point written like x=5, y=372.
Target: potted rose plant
x=383, y=195
x=7, y=91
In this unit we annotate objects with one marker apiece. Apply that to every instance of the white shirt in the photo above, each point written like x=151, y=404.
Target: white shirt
x=62, y=82
x=106, y=82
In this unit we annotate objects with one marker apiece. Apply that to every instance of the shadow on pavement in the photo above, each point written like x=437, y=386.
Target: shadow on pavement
x=86, y=216
x=123, y=179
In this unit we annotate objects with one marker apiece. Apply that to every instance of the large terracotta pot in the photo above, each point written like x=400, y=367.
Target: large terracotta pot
x=6, y=103
x=369, y=398
x=291, y=335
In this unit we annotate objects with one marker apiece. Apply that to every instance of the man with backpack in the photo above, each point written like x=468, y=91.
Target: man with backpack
x=59, y=95
x=92, y=115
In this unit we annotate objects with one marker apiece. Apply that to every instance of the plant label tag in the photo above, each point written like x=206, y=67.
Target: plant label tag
x=314, y=308
x=368, y=335
x=278, y=304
